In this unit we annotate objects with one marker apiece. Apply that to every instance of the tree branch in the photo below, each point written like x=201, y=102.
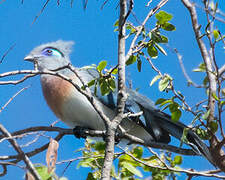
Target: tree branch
x=150, y=14
x=217, y=154
x=188, y=172
x=26, y=160
x=121, y=97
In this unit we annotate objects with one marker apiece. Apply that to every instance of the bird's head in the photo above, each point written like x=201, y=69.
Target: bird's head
x=51, y=55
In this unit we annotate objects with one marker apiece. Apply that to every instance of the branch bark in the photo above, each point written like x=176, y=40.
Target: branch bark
x=217, y=153
x=26, y=160
x=121, y=100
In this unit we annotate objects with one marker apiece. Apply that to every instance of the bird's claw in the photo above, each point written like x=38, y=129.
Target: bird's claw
x=78, y=132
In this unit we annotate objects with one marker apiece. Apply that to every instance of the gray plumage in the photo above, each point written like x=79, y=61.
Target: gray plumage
x=75, y=110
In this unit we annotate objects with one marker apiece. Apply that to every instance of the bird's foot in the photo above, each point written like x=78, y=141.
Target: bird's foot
x=117, y=138
x=79, y=132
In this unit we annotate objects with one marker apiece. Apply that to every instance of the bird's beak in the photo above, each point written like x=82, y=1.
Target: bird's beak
x=29, y=58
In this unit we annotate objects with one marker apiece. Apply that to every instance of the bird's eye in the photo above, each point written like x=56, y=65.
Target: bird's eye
x=51, y=52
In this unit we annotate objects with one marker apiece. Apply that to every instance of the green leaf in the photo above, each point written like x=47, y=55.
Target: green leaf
x=132, y=169
x=155, y=36
x=104, y=88
x=128, y=27
x=139, y=65
x=152, y=51
x=163, y=83
x=184, y=136
x=99, y=146
x=90, y=177
x=164, y=39
x=175, y=112
x=115, y=30
x=155, y=79
x=203, y=134
x=131, y=60
x=101, y=66
x=131, y=28
x=124, y=158
x=222, y=103
x=91, y=83
x=206, y=115
x=168, y=101
x=213, y=126
x=215, y=97
x=43, y=172
x=216, y=34
x=168, y=27
x=161, y=49
x=201, y=68
x=178, y=160
x=160, y=101
x=116, y=24
x=138, y=152
x=112, y=84
x=87, y=162
x=175, y=116
x=173, y=107
x=163, y=17
x=115, y=71
x=206, y=81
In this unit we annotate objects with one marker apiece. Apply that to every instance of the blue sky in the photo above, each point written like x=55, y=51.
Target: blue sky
x=92, y=31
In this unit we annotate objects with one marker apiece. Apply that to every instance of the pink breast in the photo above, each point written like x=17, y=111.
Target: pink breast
x=56, y=91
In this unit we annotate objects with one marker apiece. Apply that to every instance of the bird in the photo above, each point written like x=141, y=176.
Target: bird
x=75, y=110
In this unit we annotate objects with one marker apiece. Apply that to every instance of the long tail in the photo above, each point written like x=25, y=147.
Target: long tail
x=176, y=129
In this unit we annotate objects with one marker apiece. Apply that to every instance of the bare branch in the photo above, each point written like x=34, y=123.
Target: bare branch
x=121, y=96
x=4, y=172
x=188, y=172
x=42, y=10
x=190, y=81
x=151, y=13
x=7, y=52
x=26, y=160
x=221, y=70
x=217, y=154
x=7, y=103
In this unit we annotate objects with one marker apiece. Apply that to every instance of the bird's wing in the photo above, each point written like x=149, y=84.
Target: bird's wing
x=158, y=124
x=134, y=104
x=157, y=119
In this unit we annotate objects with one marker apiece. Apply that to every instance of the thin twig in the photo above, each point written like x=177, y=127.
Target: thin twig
x=7, y=103
x=25, y=158
x=217, y=154
x=42, y=10
x=156, y=155
x=7, y=52
x=151, y=13
x=188, y=172
x=190, y=81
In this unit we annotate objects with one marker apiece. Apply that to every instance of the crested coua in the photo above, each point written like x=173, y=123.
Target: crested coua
x=74, y=109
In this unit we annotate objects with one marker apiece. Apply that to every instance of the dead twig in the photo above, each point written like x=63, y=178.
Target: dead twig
x=7, y=52
x=7, y=103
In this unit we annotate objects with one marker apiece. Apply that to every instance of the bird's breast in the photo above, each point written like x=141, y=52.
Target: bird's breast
x=56, y=91
x=70, y=105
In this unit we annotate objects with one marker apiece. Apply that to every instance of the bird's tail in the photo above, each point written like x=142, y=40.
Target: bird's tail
x=176, y=129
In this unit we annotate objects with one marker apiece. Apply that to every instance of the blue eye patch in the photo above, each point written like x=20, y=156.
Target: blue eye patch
x=49, y=51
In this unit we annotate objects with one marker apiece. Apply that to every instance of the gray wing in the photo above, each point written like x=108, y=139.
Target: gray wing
x=158, y=124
